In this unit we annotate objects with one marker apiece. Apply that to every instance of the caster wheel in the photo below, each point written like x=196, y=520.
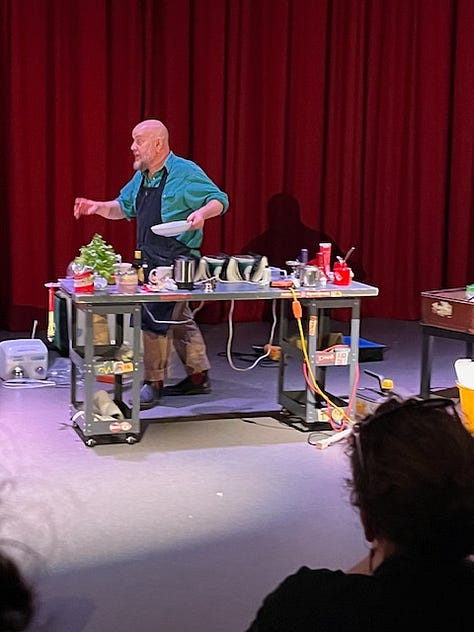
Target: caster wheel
x=91, y=443
x=131, y=440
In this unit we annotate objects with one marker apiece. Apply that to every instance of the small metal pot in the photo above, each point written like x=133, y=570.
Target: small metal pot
x=184, y=269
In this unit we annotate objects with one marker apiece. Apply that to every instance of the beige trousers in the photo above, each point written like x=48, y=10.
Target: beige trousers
x=188, y=342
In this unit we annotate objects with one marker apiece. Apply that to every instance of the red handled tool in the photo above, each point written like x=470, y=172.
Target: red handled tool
x=51, y=325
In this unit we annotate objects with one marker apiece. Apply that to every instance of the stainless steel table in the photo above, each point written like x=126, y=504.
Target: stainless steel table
x=92, y=360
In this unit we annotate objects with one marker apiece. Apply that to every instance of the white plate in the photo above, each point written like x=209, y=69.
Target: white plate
x=171, y=229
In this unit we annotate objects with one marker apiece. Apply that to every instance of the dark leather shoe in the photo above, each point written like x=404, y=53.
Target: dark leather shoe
x=149, y=396
x=187, y=387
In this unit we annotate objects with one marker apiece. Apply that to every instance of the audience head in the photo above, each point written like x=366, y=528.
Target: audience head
x=16, y=598
x=412, y=480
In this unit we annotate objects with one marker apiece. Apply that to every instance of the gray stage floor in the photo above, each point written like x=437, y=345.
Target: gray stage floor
x=188, y=529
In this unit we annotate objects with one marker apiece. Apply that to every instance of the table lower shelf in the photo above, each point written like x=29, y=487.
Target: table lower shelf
x=91, y=440
x=315, y=416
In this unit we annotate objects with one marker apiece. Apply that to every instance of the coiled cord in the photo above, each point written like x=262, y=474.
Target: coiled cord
x=231, y=334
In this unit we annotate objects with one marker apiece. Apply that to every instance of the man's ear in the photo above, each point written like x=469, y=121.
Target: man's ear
x=368, y=531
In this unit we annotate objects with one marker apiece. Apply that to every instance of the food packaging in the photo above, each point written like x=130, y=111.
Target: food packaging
x=325, y=249
x=84, y=281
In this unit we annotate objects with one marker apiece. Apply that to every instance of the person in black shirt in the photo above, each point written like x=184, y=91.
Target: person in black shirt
x=412, y=482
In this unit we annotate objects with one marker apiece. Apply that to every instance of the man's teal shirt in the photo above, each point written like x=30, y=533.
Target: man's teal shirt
x=187, y=188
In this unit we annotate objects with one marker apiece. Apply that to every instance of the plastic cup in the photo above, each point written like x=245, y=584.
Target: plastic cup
x=466, y=397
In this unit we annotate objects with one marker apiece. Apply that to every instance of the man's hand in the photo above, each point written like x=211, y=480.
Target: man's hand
x=109, y=210
x=83, y=206
x=196, y=219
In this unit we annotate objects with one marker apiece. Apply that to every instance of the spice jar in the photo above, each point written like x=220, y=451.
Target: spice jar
x=127, y=281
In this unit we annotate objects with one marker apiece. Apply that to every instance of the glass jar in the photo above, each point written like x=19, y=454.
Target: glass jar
x=127, y=281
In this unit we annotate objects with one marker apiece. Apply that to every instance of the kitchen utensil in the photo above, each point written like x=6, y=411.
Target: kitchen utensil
x=348, y=253
x=184, y=269
x=171, y=229
x=310, y=276
x=158, y=275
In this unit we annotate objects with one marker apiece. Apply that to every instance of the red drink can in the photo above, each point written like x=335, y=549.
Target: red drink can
x=84, y=282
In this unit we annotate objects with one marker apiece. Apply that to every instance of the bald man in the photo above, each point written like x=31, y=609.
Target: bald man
x=165, y=188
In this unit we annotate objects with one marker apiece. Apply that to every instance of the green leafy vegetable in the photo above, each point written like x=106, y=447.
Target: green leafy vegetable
x=99, y=256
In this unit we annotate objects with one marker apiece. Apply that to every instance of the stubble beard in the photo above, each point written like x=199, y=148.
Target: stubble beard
x=137, y=164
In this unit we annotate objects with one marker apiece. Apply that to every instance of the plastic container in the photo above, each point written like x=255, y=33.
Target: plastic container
x=325, y=249
x=342, y=273
x=466, y=398
x=127, y=281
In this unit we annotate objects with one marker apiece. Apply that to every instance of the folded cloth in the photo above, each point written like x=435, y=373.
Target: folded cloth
x=105, y=406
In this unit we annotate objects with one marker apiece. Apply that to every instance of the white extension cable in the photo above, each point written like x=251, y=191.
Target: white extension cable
x=168, y=322
x=231, y=334
x=26, y=382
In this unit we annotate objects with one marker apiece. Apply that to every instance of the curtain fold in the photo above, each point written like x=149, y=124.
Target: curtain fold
x=342, y=120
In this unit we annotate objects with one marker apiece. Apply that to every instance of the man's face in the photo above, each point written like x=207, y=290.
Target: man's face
x=144, y=148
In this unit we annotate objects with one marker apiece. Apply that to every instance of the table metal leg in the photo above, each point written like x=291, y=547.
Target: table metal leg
x=89, y=377
x=354, y=353
x=137, y=365
x=283, y=335
x=426, y=363
x=312, y=344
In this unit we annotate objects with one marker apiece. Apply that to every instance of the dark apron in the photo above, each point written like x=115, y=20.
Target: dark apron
x=156, y=250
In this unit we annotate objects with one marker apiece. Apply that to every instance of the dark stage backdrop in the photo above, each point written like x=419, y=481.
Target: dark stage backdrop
x=347, y=120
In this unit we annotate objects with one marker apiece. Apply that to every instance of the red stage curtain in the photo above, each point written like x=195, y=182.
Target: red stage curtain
x=348, y=120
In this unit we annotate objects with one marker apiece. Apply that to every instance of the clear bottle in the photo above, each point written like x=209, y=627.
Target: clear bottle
x=137, y=263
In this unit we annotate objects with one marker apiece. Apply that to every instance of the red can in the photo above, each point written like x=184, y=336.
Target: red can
x=342, y=273
x=84, y=282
